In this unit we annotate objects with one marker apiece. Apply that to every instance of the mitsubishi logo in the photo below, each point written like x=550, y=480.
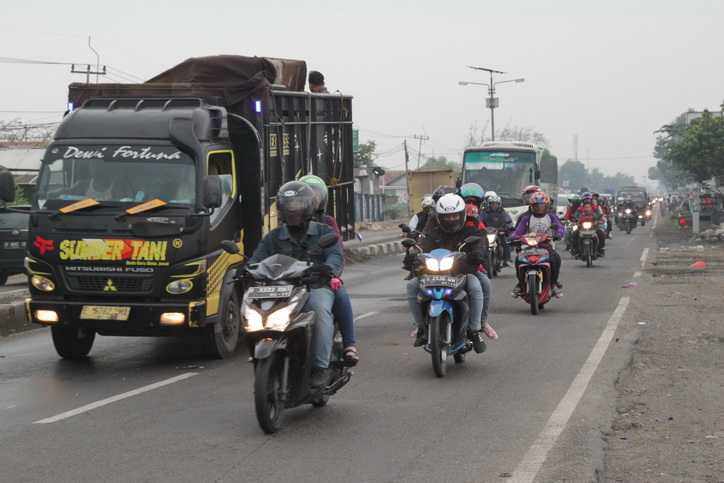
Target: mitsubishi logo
x=109, y=286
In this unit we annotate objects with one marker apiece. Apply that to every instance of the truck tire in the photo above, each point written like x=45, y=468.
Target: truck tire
x=72, y=342
x=3, y=279
x=218, y=341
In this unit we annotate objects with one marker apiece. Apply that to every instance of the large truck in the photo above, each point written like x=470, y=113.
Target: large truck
x=424, y=181
x=640, y=200
x=143, y=182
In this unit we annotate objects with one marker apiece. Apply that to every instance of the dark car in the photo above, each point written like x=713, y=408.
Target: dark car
x=13, y=243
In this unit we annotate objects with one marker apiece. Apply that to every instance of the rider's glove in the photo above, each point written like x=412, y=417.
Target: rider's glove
x=409, y=260
x=474, y=259
x=323, y=270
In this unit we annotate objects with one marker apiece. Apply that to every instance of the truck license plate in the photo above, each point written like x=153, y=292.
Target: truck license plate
x=102, y=312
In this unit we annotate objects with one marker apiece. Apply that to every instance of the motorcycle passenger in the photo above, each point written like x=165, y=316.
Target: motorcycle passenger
x=495, y=215
x=450, y=234
x=587, y=209
x=473, y=195
x=296, y=205
x=541, y=220
x=342, y=308
x=419, y=219
x=574, y=201
x=606, y=209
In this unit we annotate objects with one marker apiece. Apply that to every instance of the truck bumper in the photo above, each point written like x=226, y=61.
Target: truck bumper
x=144, y=319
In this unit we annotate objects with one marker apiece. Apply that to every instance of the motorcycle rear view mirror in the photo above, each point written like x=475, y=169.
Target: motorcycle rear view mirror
x=472, y=239
x=328, y=240
x=408, y=243
x=405, y=228
x=230, y=247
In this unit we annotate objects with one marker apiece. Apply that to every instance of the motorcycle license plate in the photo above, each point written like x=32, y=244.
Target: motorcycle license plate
x=439, y=281
x=534, y=251
x=270, y=291
x=101, y=312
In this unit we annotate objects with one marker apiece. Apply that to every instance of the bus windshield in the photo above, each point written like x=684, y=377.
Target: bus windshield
x=124, y=173
x=506, y=172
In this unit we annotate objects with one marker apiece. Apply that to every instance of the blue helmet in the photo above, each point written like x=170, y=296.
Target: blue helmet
x=472, y=189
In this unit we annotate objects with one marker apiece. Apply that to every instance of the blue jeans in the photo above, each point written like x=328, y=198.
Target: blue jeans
x=342, y=311
x=487, y=295
x=320, y=302
x=475, y=302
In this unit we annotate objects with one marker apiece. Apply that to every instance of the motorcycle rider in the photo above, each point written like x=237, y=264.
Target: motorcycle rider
x=342, y=308
x=541, y=220
x=419, y=219
x=296, y=205
x=602, y=203
x=574, y=201
x=588, y=209
x=440, y=191
x=450, y=234
x=527, y=193
x=495, y=215
x=473, y=196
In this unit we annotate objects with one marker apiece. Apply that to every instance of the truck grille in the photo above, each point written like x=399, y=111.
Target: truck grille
x=94, y=283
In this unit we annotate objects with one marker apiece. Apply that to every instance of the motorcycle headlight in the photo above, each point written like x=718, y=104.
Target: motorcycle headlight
x=491, y=239
x=432, y=264
x=648, y=212
x=574, y=228
x=280, y=319
x=253, y=319
x=446, y=263
x=628, y=211
x=587, y=225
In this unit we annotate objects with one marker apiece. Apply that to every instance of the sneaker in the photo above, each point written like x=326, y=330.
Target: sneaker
x=489, y=331
x=505, y=264
x=478, y=342
x=601, y=252
x=559, y=285
x=516, y=292
x=320, y=377
x=421, y=338
x=556, y=292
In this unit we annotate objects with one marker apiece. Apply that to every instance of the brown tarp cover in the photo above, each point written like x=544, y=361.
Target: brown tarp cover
x=233, y=77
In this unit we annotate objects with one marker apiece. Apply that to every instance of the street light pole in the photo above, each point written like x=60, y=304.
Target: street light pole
x=492, y=101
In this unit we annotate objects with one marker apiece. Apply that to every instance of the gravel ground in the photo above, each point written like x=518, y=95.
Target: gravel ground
x=669, y=425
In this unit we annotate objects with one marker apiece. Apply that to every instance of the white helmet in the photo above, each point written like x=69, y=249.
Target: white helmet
x=451, y=214
x=427, y=202
x=488, y=194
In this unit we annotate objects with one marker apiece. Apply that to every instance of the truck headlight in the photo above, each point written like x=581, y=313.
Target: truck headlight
x=42, y=283
x=179, y=286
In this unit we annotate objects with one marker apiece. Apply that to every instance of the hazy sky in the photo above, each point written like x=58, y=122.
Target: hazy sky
x=609, y=72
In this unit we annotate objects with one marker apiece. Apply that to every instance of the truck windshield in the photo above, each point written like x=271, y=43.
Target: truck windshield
x=505, y=172
x=124, y=173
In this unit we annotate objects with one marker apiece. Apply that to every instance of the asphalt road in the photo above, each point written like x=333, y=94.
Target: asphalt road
x=152, y=410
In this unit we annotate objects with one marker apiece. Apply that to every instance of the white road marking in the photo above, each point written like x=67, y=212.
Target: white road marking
x=364, y=316
x=104, y=402
x=643, y=257
x=538, y=452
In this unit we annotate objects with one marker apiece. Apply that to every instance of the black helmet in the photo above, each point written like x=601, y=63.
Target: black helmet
x=443, y=189
x=295, y=203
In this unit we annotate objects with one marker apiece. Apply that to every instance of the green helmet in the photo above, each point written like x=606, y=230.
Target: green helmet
x=319, y=187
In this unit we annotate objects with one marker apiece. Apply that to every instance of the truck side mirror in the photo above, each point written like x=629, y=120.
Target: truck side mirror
x=212, y=191
x=7, y=186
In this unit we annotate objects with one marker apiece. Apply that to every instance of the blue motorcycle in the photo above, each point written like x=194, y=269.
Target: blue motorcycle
x=442, y=277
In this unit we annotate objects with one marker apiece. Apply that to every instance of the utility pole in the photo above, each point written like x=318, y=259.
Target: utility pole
x=88, y=72
x=419, y=152
x=407, y=180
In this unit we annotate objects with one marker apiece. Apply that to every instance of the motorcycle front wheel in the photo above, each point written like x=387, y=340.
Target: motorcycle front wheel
x=533, y=294
x=268, y=392
x=439, y=343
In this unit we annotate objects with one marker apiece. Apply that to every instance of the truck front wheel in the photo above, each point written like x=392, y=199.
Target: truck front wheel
x=218, y=341
x=72, y=342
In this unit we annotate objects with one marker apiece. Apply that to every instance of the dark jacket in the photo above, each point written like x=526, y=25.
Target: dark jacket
x=438, y=238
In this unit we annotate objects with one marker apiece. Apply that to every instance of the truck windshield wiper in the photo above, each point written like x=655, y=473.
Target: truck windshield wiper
x=146, y=206
x=78, y=205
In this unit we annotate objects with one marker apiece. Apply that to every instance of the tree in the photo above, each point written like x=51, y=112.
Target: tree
x=366, y=155
x=695, y=150
x=575, y=173
x=476, y=136
x=440, y=162
x=17, y=131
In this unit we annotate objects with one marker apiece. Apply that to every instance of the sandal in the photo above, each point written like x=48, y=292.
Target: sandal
x=349, y=356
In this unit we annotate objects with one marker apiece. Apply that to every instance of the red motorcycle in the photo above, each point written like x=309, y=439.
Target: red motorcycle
x=534, y=268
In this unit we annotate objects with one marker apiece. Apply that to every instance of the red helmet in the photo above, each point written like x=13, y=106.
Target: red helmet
x=530, y=189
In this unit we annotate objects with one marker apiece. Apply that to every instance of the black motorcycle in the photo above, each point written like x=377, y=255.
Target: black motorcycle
x=279, y=335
